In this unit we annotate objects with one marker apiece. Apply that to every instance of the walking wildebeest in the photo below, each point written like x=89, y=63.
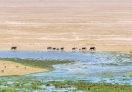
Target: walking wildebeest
x=92, y=48
x=54, y=48
x=13, y=48
x=84, y=48
x=49, y=48
x=74, y=48
x=62, y=48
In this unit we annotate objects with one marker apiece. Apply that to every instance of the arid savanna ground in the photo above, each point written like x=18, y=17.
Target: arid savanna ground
x=10, y=68
x=35, y=25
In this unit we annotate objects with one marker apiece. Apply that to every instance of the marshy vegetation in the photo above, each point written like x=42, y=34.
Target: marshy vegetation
x=27, y=84
x=92, y=87
x=113, y=71
x=47, y=64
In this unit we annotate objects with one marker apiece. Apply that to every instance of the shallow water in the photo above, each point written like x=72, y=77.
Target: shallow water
x=43, y=55
x=107, y=67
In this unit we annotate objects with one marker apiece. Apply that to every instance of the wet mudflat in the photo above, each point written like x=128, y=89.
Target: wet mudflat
x=97, y=67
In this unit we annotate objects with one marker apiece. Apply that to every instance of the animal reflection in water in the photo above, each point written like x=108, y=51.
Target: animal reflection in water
x=14, y=48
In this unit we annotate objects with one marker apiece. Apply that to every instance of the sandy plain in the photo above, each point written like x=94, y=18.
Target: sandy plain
x=10, y=68
x=35, y=25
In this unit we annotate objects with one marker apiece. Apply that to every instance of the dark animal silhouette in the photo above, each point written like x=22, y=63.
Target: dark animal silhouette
x=14, y=48
x=74, y=48
x=49, y=48
x=84, y=48
x=62, y=48
x=92, y=48
x=54, y=48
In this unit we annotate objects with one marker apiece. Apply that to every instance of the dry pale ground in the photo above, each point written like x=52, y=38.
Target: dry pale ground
x=34, y=25
x=10, y=68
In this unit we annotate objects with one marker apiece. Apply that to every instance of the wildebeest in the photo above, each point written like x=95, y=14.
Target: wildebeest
x=13, y=48
x=49, y=48
x=62, y=48
x=92, y=48
x=84, y=48
x=54, y=48
x=74, y=48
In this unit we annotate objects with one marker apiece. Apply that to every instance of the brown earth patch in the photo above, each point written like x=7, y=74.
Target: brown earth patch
x=8, y=68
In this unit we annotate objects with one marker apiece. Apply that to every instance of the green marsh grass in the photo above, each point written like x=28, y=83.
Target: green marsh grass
x=38, y=63
x=93, y=87
x=30, y=84
x=27, y=84
x=80, y=85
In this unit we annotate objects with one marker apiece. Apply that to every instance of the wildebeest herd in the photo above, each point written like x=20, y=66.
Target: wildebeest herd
x=73, y=49
x=53, y=48
x=62, y=48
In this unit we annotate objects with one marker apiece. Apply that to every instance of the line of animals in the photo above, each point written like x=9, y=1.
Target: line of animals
x=74, y=48
x=62, y=48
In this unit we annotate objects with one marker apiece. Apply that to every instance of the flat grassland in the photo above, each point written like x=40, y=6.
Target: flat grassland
x=35, y=25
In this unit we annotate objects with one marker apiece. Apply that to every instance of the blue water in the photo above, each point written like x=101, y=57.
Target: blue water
x=89, y=66
x=43, y=55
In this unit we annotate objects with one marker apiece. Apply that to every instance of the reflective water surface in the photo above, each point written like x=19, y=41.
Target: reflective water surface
x=107, y=67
